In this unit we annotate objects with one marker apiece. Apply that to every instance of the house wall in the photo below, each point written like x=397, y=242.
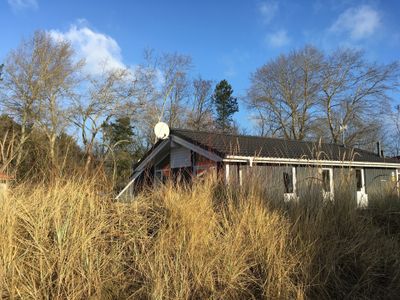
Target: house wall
x=344, y=182
x=308, y=180
x=268, y=178
x=379, y=181
x=180, y=157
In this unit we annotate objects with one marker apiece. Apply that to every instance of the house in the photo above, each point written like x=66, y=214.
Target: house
x=285, y=167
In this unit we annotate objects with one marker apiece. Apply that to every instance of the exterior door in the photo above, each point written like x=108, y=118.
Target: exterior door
x=362, y=197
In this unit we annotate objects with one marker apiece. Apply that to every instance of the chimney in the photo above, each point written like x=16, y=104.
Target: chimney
x=379, y=149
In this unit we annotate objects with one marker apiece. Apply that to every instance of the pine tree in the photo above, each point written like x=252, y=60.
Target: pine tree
x=119, y=132
x=225, y=105
x=119, y=136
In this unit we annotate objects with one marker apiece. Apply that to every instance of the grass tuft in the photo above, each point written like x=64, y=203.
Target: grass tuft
x=69, y=241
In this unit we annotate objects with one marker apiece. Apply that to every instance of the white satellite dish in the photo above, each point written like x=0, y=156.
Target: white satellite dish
x=161, y=130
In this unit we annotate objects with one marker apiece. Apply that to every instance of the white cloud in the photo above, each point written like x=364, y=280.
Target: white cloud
x=268, y=10
x=360, y=22
x=279, y=38
x=100, y=51
x=23, y=4
x=233, y=61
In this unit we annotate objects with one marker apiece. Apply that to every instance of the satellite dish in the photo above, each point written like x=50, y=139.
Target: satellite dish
x=161, y=130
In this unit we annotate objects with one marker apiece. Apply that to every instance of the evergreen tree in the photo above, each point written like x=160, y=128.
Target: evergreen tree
x=225, y=105
x=119, y=132
x=119, y=136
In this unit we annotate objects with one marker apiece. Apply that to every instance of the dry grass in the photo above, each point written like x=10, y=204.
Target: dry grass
x=66, y=241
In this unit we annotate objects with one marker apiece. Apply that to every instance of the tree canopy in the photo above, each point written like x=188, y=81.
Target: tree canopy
x=225, y=105
x=337, y=96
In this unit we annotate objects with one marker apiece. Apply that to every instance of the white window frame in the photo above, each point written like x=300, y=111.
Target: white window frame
x=288, y=197
x=328, y=195
x=240, y=174
x=362, y=196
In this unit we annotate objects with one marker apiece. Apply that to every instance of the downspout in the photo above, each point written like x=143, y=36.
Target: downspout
x=251, y=162
x=226, y=173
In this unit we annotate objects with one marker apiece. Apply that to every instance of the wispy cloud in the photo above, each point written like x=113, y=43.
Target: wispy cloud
x=359, y=22
x=278, y=38
x=100, y=51
x=23, y=4
x=233, y=62
x=268, y=10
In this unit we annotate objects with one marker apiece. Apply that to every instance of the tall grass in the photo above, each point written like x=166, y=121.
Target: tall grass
x=67, y=240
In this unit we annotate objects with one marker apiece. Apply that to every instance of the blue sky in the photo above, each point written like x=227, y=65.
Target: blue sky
x=226, y=39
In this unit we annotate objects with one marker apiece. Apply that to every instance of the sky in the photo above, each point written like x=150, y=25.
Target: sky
x=226, y=39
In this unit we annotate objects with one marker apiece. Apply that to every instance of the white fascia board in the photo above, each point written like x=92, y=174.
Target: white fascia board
x=273, y=160
x=139, y=169
x=195, y=148
x=157, y=150
x=136, y=175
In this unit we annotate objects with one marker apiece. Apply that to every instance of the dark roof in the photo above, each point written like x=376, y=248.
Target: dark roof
x=256, y=146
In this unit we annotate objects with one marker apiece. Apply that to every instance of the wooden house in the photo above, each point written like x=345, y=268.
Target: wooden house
x=286, y=167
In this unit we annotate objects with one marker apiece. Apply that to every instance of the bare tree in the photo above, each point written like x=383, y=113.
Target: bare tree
x=106, y=96
x=20, y=90
x=262, y=124
x=38, y=76
x=55, y=60
x=392, y=135
x=338, y=97
x=285, y=91
x=23, y=86
x=173, y=69
x=164, y=80
x=8, y=150
x=353, y=93
x=200, y=116
x=147, y=93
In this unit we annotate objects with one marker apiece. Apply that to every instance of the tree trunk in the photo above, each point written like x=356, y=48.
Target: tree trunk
x=21, y=141
x=89, y=157
x=52, y=151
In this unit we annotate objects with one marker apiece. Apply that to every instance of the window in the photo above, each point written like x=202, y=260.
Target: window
x=359, y=180
x=326, y=180
x=162, y=170
x=288, y=181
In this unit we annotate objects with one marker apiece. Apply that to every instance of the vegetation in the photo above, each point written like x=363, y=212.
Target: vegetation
x=336, y=96
x=225, y=105
x=69, y=240
x=56, y=108
x=120, y=135
x=62, y=236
